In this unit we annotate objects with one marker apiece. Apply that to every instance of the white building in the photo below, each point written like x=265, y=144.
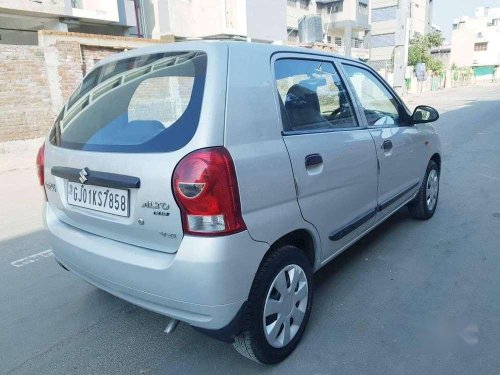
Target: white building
x=475, y=41
x=384, y=24
x=21, y=19
x=174, y=19
x=259, y=20
x=345, y=23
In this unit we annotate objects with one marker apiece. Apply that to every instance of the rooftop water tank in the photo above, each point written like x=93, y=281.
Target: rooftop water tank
x=310, y=29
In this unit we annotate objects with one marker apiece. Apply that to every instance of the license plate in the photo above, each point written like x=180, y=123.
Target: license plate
x=98, y=198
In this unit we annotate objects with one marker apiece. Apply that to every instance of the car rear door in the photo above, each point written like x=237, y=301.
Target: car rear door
x=110, y=157
x=400, y=147
x=333, y=158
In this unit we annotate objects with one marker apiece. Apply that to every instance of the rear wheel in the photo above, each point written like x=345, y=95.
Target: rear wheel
x=424, y=204
x=279, y=306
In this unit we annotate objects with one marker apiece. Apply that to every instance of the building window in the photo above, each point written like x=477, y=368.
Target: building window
x=362, y=9
x=304, y=4
x=293, y=35
x=77, y=4
x=384, y=14
x=383, y=40
x=292, y=3
x=483, y=46
x=338, y=41
x=333, y=7
x=357, y=43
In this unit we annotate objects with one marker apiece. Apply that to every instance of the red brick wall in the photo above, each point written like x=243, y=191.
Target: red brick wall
x=70, y=66
x=28, y=105
x=25, y=101
x=92, y=54
x=25, y=105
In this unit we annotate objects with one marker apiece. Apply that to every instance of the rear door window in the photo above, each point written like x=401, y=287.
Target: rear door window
x=312, y=96
x=148, y=103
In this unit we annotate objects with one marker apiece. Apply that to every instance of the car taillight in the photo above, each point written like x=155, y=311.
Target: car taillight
x=206, y=190
x=40, y=162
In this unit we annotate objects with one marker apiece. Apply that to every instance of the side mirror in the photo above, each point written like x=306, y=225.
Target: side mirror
x=424, y=113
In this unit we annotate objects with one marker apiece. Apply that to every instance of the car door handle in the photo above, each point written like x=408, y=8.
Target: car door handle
x=313, y=160
x=387, y=145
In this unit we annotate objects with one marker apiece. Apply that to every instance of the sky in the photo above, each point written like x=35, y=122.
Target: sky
x=445, y=11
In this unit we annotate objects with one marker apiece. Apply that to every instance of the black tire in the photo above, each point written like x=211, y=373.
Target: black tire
x=252, y=342
x=418, y=206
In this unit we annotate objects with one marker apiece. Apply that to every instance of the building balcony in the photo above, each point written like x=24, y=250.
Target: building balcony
x=356, y=53
x=360, y=53
x=34, y=8
x=341, y=19
x=96, y=10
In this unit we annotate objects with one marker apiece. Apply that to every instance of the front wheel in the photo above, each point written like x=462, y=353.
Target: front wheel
x=279, y=306
x=424, y=204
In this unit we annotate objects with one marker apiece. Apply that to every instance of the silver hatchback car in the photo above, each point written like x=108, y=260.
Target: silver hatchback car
x=208, y=181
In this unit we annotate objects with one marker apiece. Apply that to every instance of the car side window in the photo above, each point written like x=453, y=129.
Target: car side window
x=312, y=96
x=379, y=105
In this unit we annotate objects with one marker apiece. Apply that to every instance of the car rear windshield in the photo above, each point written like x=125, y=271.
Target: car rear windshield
x=147, y=103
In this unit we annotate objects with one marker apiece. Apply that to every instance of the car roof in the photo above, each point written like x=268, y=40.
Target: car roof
x=271, y=49
x=241, y=47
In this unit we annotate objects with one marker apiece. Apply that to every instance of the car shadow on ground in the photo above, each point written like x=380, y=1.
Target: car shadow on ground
x=92, y=329
x=95, y=329
x=361, y=248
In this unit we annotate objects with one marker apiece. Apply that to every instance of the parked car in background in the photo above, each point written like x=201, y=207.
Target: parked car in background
x=208, y=181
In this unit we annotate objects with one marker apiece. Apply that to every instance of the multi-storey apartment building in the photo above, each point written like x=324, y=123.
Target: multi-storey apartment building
x=475, y=41
x=177, y=19
x=345, y=23
x=385, y=23
x=259, y=20
x=21, y=19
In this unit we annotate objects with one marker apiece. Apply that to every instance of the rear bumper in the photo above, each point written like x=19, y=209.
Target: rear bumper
x=204, y=284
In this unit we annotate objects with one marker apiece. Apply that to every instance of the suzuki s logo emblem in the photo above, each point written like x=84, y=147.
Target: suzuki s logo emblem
x=83, y=173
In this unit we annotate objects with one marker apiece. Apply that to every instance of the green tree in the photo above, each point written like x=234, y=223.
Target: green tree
x=420, y=51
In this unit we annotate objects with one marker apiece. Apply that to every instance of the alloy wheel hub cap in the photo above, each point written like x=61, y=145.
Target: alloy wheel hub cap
x=432, y=189
x=285, y=306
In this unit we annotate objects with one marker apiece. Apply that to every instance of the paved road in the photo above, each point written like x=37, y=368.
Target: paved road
x=411, y=298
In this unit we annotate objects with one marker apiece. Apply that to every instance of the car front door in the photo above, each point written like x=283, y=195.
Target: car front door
x=333, y=158
x=400, y=149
